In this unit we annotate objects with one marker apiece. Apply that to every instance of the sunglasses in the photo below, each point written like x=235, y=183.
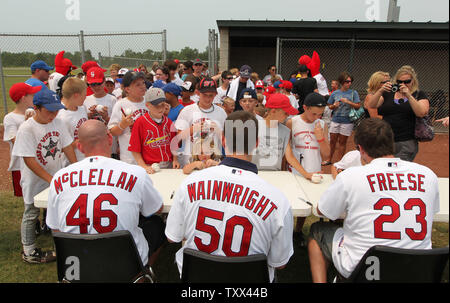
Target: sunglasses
x=383, y=82
x=404, y=81
x=95, y=84
x=229, y=78
x=348, y=81
x=198, y=64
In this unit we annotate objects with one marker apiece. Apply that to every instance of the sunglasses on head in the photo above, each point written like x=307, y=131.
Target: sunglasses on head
x=404, y=81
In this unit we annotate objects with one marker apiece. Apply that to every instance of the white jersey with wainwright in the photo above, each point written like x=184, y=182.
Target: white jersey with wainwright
x=272, y=236
x=141, y=197
x=353, y=194
x=305, y=147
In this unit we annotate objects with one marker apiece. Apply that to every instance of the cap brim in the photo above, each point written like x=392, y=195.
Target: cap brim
x=95, y=80
x=290, y=110
x=53, y=107
x=158, y=101
x=34, y=89
x=244, y=75
x=208, y=90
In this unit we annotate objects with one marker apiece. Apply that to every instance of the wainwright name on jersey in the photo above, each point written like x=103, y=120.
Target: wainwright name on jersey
x=388, y=202
x=228, y=211
x=99, y=195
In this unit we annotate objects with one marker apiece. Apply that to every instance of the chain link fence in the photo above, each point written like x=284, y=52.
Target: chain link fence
x=18, y=51
x=362, y=58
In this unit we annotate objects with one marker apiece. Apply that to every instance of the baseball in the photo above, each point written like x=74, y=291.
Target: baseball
x=316, y=178
x=155, y=167
x=29, y=112
x=99, y=108
x=128, y=111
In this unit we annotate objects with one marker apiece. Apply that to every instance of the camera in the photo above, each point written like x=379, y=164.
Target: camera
x=395, y=87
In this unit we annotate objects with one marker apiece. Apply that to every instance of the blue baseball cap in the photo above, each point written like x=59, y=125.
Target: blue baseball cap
x=48, y=99
x=277, y=84
x=39, y=64
x=172, y=88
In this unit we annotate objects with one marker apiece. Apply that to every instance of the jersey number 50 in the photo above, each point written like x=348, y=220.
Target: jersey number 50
x=83, y=221
x=231, y=223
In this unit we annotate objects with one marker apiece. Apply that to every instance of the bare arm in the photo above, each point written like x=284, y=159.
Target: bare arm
x=38, y=170
x=290, y=158
x=69, y=151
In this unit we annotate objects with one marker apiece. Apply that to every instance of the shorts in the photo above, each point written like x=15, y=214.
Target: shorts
x=16, y=183
x=323, y=233
x=344, y=129
x=153, y=228
x=406, y=150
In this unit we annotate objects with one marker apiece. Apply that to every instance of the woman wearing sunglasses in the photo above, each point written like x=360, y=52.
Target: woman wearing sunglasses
x=400, y=102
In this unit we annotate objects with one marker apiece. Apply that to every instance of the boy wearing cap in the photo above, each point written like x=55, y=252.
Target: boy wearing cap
x=40, y=72
x=126, y=111
x=248, y=101
x=152, y=133
x=42, y=142
x=75, y=114
x=240, y=83
x=22, y=94
x=109, y=85
x=95, y=79
x=172, y=92
x=188, y=91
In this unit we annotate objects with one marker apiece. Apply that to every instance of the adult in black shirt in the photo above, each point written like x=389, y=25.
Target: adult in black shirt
x=400, y=110
x=303, y=86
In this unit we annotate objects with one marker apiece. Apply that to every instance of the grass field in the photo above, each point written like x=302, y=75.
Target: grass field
x=14, y=270
x=12, y=75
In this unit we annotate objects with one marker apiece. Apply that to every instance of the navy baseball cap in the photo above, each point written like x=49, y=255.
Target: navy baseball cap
x=315, y=99
x=130, y=76
x=248, y=93
x=172, y=88
x=245, y=71
x=39, y=64
x=48, y=99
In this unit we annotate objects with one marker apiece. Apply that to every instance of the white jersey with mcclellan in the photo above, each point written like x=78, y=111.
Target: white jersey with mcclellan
x=100, y=195
x=45, y=143
x=305, y=147
x=73, y=120
x=227, y=210
x=388, y=202
x=138, y=109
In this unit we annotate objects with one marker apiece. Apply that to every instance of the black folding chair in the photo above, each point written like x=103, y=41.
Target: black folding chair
x=201, y=267
x=383, y=264
x=108, y=257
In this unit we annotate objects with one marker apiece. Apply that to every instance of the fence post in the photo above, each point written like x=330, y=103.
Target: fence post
x=100, y=58
x=164, y=45
x=277, y=55
x=210, y=52
x=216, y=53
x=81, y=38
x=5, y=103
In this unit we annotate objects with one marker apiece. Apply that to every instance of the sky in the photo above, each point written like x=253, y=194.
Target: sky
x=187, y=22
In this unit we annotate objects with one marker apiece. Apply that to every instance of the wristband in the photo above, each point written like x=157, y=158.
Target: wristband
x=320, y=141
x=118, y=125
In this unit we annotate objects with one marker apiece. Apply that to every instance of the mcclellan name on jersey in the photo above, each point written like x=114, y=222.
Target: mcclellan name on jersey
x=229, y=192
x=94, y=176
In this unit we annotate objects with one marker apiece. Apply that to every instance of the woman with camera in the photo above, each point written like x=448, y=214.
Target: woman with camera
x=375, y=82
x=399, y=103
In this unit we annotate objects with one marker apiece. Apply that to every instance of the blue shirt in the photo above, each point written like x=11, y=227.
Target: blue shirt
x=174, y=112
x=340, y=114
x=36, y=82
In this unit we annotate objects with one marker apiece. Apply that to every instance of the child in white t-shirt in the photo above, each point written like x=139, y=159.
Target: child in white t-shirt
x=42, y=142
x=74, y=94
x=128, y=110
x=22, y=94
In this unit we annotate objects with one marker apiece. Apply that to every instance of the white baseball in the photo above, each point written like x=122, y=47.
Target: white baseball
x=316, y=178
x=155, y=167
x=128, y=111
x=99, y=108
x=29, y=112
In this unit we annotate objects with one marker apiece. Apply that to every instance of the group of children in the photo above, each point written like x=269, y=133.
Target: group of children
x=43, y=130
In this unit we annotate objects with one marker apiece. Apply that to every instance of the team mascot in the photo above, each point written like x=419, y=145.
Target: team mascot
x=313, y=64
x=63, y=67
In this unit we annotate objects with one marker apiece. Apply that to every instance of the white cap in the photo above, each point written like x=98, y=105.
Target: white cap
x=109, y=79
x=122, y=71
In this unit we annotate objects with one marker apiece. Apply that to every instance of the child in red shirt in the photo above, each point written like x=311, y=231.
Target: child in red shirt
x=152, y=134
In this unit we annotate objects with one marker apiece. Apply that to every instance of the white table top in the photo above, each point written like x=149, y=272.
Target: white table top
x=167, y=182
x=313, y=192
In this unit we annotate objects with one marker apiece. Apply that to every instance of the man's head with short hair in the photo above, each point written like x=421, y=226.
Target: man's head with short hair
x=240, y=133
x=375, y=137
x=94, y=139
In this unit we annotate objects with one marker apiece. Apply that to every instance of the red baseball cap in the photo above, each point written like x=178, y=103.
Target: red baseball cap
x=259, y=84
x=286, y=84
x=18, y=90
x=89, y=64
x=95, y=75
x=281, y=101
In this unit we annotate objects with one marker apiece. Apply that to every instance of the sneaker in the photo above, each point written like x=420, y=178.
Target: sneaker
x=39, y=256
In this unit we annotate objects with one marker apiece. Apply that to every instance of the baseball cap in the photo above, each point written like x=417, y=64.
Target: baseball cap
x=122, y=71
x=302, y=68
x=155, y=96
x=88, y=64
x=259, y=84
x=197, y=61
x=109, y=79
x=315, y=99
x=21, y=89
x=39, y=64
x=207, y=85
x=130, y=77
x=245, y=71
x=248, y=93
x=277, y=84
x=172, y=88
x=48, y=99
x=95, y=75
x=286, y=84
x=281, y=101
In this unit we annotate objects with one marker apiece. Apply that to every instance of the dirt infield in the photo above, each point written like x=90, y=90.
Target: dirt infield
x=434, y=154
